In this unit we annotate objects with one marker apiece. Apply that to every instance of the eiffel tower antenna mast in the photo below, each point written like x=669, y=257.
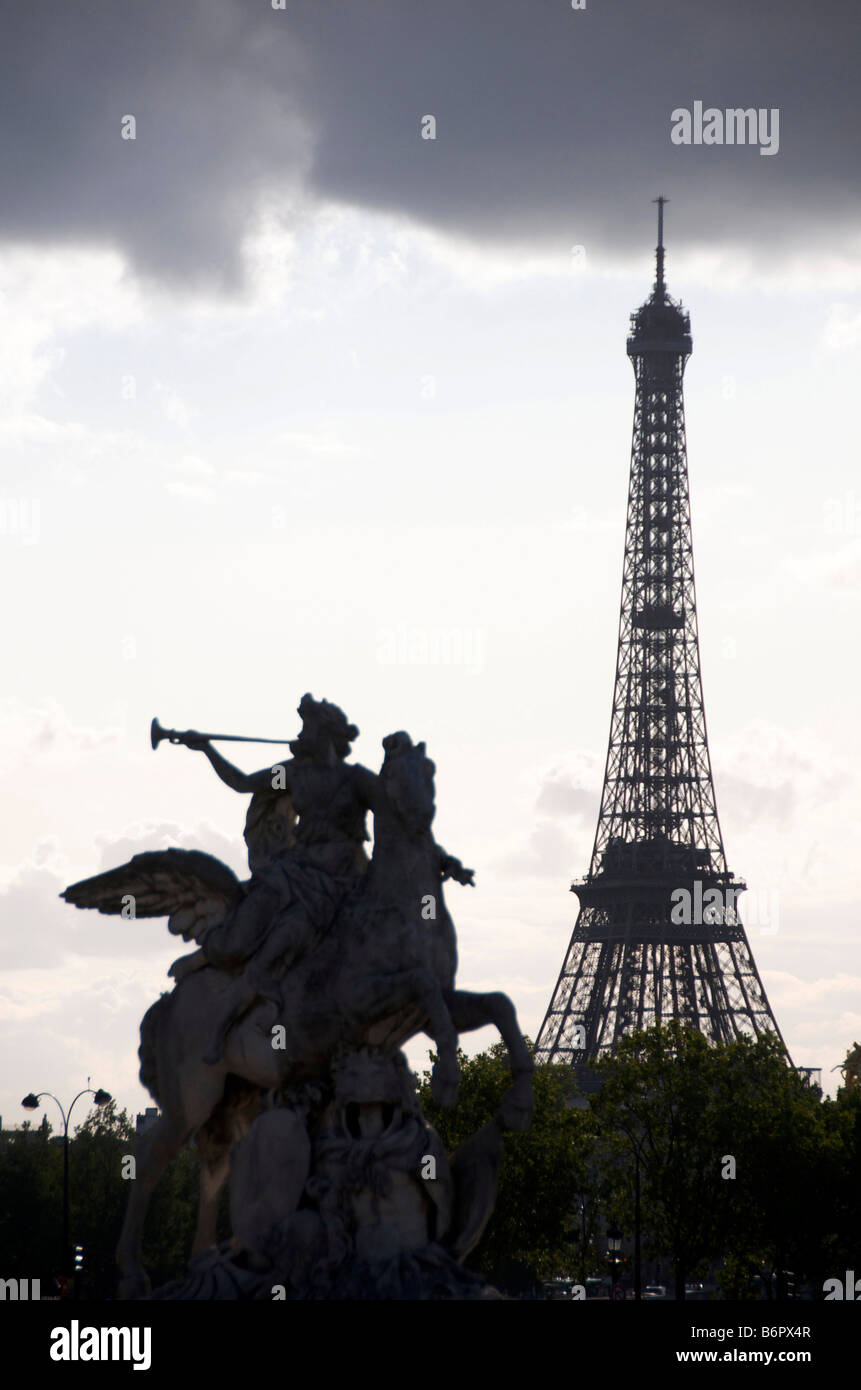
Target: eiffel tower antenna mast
x=660, y=288
x=658, y=935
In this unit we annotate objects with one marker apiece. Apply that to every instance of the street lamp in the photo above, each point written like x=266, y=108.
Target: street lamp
x=31, y=1102
x=614, y=1242
x=638, y=1282
x=580, y=1209
x=635, y=1138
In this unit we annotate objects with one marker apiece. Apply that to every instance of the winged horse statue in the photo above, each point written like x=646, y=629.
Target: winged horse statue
x=382, y=971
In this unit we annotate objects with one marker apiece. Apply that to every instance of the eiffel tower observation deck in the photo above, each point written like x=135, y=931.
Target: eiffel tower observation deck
x=658, y=935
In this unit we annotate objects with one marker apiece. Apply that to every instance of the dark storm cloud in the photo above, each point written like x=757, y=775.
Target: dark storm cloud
x=553, y=124
x=213, y=126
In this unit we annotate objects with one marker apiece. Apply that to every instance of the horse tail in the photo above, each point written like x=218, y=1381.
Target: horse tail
x=148, y=1053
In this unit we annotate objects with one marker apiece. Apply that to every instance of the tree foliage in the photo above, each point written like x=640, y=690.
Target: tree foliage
x=532, y=1233
x=733, y=1145
x=31, y=1204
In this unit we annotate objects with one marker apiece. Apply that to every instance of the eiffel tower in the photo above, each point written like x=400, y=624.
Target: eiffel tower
x=658, y=935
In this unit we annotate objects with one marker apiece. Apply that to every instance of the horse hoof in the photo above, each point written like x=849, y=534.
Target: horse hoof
x=444, y=1088
x=515, y=1110
x=515, y=1117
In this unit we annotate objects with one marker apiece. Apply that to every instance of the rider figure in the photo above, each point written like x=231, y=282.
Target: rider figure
x=301, y=868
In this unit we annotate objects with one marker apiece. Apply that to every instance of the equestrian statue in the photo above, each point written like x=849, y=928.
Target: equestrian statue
x=278, y=1048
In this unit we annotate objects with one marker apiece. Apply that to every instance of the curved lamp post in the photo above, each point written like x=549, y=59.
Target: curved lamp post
x=31, y=1102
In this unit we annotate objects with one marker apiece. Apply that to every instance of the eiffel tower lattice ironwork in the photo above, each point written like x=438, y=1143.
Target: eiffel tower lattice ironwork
x=658, y=935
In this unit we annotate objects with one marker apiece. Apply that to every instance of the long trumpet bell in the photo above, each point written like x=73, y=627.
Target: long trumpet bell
x=157, y=733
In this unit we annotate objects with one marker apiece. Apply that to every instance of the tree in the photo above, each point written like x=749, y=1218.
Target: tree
x=731, y=1143
x=100, y=1150
x=98, y=1194
x=31, y=1204
x=773, y=1124
x=851, y=1069
x=656, y=1100
x=532, y=1233
x=839, y=1184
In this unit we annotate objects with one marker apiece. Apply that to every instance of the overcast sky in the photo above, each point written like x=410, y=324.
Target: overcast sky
x=292, y=398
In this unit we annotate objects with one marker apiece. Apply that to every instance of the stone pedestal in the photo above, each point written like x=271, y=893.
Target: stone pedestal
x=342, y=1190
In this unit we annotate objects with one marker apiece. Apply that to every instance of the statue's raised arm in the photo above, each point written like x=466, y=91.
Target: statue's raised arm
x=234, y=777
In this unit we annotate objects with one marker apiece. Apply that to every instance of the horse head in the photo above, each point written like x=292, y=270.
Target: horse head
x=406, y=780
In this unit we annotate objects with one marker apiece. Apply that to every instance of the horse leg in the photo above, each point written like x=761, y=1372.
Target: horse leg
x=378, y=996
x=214, y=1167
x=155, y=1150
x=216, y=1144
x=469, y=1011
x=192, y=1095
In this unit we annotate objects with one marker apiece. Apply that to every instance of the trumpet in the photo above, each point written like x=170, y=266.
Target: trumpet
x=157, y=734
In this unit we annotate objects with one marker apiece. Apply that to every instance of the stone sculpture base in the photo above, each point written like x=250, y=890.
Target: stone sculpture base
x=342, y=1190
x=426, y=1274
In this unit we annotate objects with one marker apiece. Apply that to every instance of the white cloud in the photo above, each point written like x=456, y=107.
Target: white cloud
x=190, y=463
x=320, y=444
x=142, y=836
x=172, y=405
x=198, y=492
x=51, y=294
x=842, y=331
x=45, y=733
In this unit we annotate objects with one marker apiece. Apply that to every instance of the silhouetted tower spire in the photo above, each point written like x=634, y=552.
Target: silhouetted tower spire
x=660, y=288
x=658, y=935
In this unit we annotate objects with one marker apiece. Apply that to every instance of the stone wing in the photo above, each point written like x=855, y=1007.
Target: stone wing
x=195, y=891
